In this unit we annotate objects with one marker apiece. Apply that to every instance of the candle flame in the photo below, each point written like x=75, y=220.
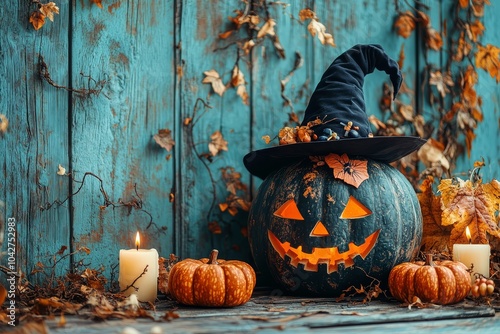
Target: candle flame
x=467, y=233
x=137, y=240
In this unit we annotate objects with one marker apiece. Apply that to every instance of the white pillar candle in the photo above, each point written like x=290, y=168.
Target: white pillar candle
x=132, y=264
x=473, y=255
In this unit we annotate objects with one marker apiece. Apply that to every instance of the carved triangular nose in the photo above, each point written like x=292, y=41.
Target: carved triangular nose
x=319, y=230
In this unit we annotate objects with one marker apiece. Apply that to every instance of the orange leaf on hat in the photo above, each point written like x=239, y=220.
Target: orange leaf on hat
x=352, y=172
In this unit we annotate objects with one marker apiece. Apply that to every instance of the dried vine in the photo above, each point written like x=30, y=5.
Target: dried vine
x=135, y=203
x=97, y=85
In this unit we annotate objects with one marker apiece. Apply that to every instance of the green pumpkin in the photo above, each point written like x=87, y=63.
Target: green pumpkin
x=314, y=234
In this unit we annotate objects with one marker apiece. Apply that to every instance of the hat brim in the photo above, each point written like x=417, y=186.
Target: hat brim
x=384, y=149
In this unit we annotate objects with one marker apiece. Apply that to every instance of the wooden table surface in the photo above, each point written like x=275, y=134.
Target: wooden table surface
x=286, y=314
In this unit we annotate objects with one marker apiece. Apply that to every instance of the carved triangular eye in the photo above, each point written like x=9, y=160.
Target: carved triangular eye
x=319, y=230
x=354, y=210
x=289, y=210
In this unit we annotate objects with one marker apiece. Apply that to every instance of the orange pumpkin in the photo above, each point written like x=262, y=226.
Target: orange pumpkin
x=445, y=282
x=211, y=282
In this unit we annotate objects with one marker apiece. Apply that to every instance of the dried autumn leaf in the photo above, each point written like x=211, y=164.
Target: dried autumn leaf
x=402, y=56
x=287, y=135
x=478, y=7
x=247, y=46
x=487, y=59
x=214, y=227
x=435, y=236
x=226, y=34
x=98, y=3
x=479, y=164
x=37, y=19
x=217, y=143
x=474, y=205
x=405, y=24
x=352, y=172
x=61, y=170
x=4, y=124
x=317, y=28
x=213, y=78
x=431, y=154
x=463, y=48
x=433, y=39
x=441, y=81
x=266, y=139
x=267, y=29
x=164, y=139
x=238, y=81
x=475, y=29
x=306, y=13
x=49, y=9
x=406, y=110
x=463, y=3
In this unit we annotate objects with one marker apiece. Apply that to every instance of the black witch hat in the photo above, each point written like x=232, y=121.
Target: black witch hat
x=337, y=106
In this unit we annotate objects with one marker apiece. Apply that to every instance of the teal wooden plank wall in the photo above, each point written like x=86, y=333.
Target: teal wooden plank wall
x=152, y=55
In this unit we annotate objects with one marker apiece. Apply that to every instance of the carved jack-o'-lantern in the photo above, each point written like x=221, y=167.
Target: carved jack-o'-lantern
x=316, y=234
x=319, y=231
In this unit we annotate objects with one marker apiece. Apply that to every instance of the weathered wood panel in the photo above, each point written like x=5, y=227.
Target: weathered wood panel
x=201, y=186
x=131, y=46
x=37, y=137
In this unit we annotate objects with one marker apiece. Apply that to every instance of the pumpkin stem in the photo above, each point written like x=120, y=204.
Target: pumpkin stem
x=212, y=259
x=428, y=260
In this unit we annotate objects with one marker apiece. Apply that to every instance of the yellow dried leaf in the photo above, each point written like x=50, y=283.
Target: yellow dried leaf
x=441, y=81
x=433, y=39
x=406, y=110
x=164, y=139
x=306, y=13
x=317, y=28
x=431, y=154
x=223, y=206
x=226, y=34
x=247, y=46
x=487, y=59
x=405, y=24
x=475, y=29
x=61, y=170
x=213, y=78
x=4, y=124
x=266, y=139
x=217, y=143
x=470, y=205
x=237, y=78
x=267, y=29
x=49, y=9
x=463, y=48
x=37, y=19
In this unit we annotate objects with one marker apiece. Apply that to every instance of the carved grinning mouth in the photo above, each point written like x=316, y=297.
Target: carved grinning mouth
x=329, y=256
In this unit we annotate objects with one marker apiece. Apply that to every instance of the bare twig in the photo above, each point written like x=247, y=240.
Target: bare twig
x=45, y=74
x=131, y=285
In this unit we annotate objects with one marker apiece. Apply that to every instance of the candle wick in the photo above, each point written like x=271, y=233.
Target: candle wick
x=137, y=247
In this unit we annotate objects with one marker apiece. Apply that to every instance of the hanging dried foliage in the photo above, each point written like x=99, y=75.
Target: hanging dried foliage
x=451, y=90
